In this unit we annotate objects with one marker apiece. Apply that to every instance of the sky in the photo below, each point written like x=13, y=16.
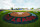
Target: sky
x=7, y=4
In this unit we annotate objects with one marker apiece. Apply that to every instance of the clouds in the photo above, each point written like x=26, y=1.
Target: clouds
x=6, y=4
x=28, y=3
x=19, y=3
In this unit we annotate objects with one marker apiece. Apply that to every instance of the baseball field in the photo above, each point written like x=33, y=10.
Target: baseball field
x=6, y=24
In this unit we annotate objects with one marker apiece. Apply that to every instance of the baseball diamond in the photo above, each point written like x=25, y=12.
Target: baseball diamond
x=22, y=18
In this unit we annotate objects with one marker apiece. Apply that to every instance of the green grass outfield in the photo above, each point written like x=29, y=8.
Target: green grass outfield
x=21, y=10
x=6, y=24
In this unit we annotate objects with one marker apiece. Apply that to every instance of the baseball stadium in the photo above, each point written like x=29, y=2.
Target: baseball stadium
x=20, y=17
x=19, y=13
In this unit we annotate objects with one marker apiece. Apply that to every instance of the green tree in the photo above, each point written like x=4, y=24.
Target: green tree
x=12, y=8
x=38, y=8
x=32, y=8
